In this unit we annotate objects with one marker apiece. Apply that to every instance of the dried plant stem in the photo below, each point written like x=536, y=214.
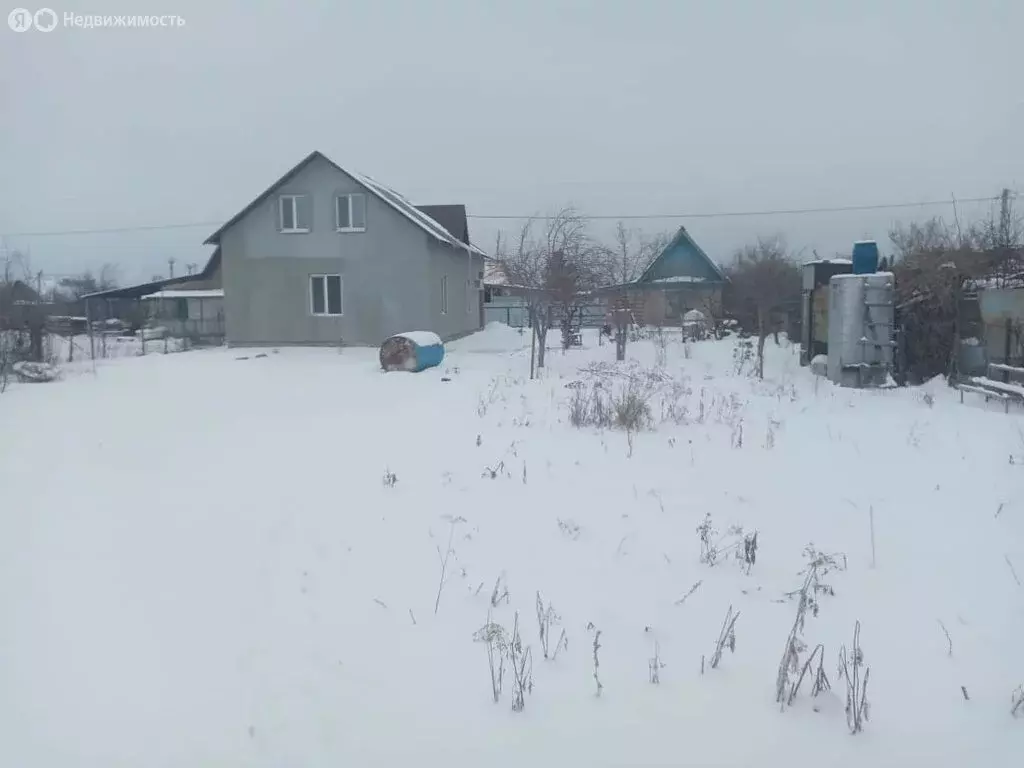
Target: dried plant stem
x=693, y=589
x=1012, y=570
x=726, y=638
x=871, y=518
x=948, y=638
x=444, y=565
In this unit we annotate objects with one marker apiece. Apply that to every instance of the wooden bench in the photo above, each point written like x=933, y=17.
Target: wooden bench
x=991, y=389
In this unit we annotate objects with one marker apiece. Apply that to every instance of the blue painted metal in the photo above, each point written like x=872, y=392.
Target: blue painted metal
x=682, y=257
x=414, y=351
x=865, y=257
x=428, y=356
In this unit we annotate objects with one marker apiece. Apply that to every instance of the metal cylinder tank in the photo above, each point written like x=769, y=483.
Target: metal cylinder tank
x=865, y=257
x=860, y=329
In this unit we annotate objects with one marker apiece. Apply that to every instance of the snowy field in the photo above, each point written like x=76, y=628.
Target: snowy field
x=209, y=561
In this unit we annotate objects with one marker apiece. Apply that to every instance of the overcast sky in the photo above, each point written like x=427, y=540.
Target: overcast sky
x=511, y=107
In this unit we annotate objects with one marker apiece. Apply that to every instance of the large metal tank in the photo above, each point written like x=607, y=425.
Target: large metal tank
x=860, y=329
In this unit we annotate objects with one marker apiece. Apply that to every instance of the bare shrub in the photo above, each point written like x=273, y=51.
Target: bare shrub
x=619, y=397
x=763, y=283
x=736, y=540
x=632, y=408
x=390, y=479
x=580, y=403
x=850, y=663
x=673, y=409
x=622, y=265
x=786, y=689
x=489, y=398
x=548, y=620
x=726, y=638
x=553, y=271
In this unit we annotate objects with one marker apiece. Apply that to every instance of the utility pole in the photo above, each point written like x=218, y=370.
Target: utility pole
x=1005, y=223
x=5, y=256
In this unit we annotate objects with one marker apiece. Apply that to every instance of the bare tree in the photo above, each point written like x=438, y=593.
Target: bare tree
x=622, y=265
x=77, y=286
x=763, y=282
x=548, y=270
x=932, y=263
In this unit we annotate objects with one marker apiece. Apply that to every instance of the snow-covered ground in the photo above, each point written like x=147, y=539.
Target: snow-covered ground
x=203, y=563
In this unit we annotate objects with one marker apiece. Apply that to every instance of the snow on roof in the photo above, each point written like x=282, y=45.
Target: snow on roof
x=493, y=273
x=411, y=212
x=384, y=192
x=679, y=279
x=830, y=261
x=211, y=293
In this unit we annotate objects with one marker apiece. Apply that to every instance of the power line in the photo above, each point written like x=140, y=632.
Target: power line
x=771, y=212
x=114, y=230
x=589, y=217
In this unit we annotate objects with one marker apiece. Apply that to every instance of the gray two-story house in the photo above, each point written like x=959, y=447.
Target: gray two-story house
x=327, y=256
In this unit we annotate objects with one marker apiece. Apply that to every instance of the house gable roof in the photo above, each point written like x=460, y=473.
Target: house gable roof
x=451, y=217
x=682, y=261
x=382, y=191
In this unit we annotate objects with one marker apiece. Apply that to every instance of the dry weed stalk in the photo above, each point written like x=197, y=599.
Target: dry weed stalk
x=547, y=620
x=850, y=663
x=726, y=638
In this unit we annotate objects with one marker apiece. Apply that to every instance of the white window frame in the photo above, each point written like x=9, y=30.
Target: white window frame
x=327, y=309
x=337, y=218
x=444, y=295
x=293, y=201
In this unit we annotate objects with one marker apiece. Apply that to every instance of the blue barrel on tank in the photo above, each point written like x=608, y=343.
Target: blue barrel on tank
x=865, y=257
x=413, y=351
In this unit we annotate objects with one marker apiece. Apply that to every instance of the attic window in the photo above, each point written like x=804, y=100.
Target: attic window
x=293, y=213
x=351, y=212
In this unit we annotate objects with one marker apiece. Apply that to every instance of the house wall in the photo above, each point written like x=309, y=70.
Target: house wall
x=653, y=306
x=1002, y=316
x=391, y=272
x=463, y=272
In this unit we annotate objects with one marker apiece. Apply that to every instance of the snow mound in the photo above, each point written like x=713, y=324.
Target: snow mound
x=495, y=337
